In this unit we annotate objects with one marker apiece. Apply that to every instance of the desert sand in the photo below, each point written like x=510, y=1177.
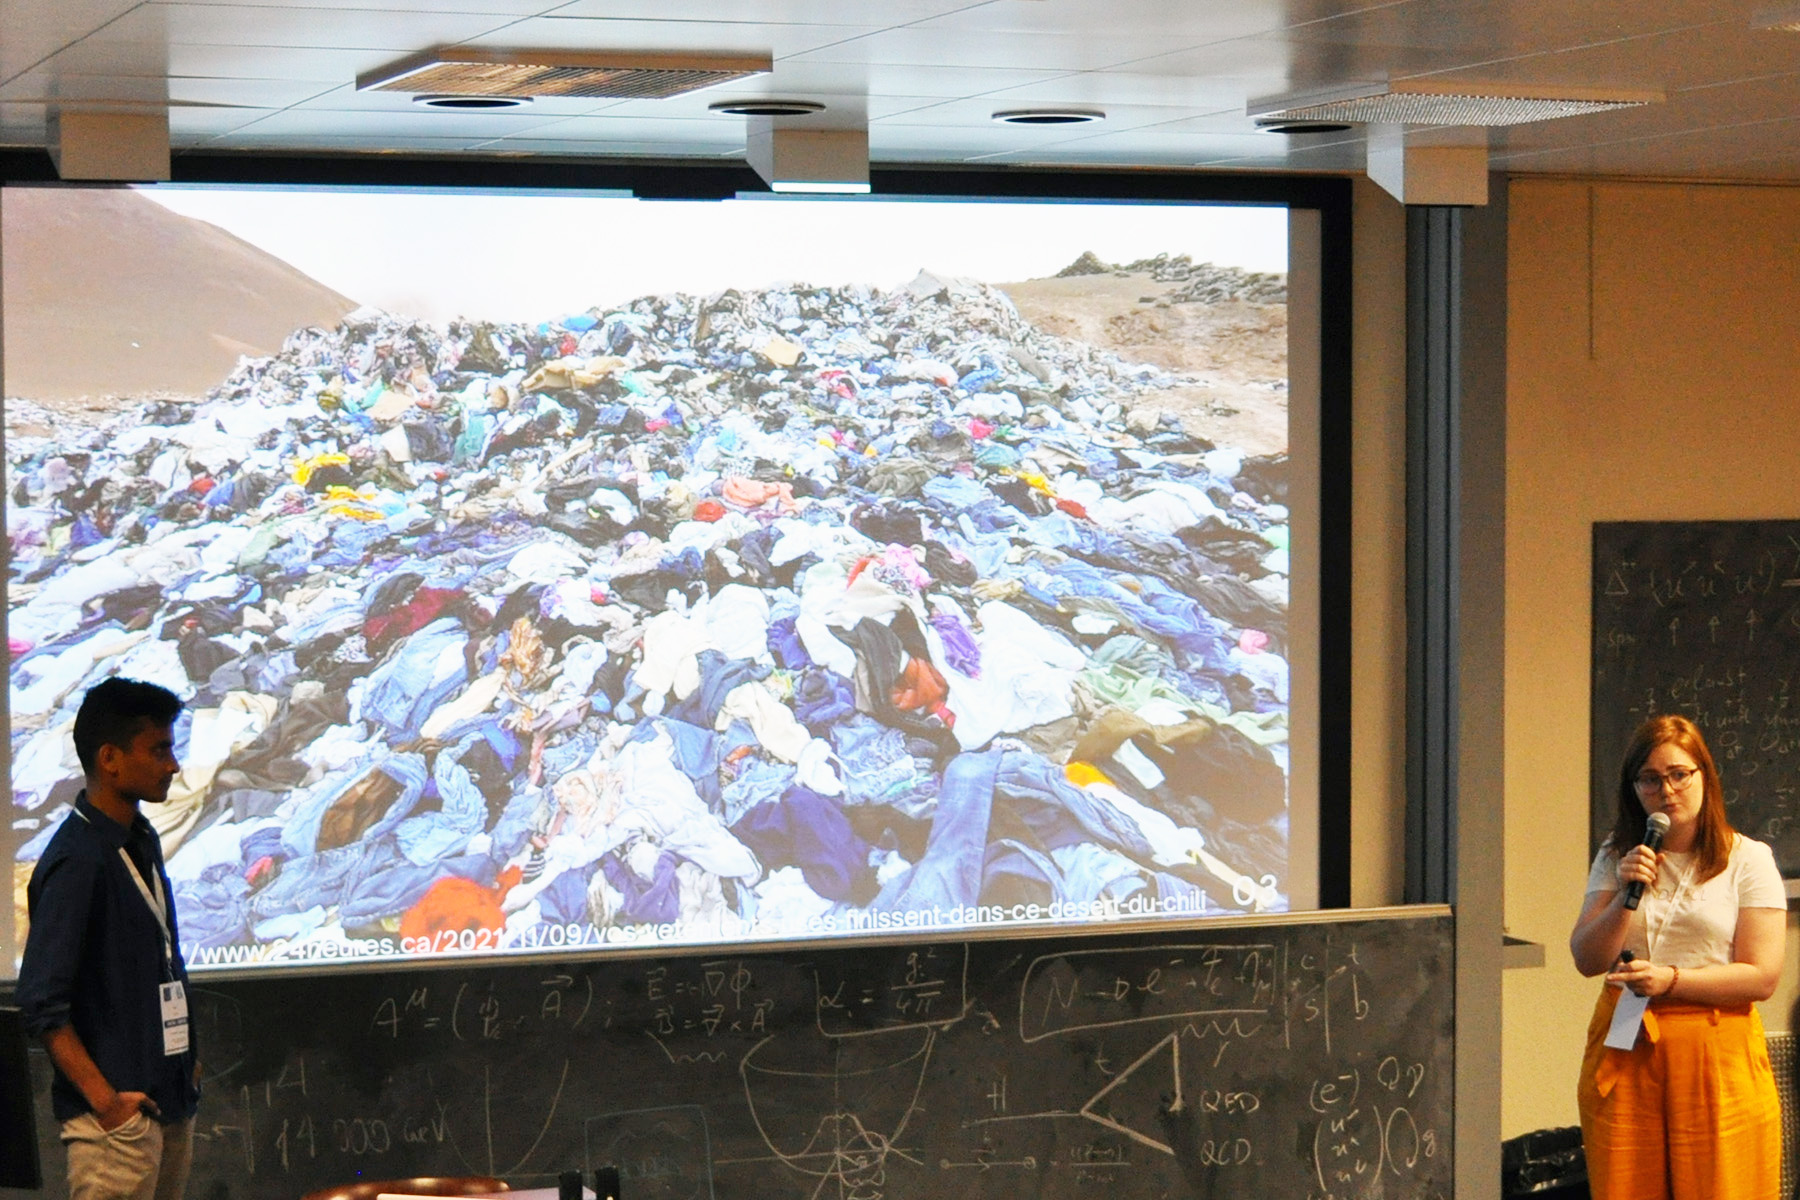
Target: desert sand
x=1240, y=348
x=110, y=294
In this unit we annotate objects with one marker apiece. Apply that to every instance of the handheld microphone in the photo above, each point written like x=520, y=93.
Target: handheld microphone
x=1654, y=830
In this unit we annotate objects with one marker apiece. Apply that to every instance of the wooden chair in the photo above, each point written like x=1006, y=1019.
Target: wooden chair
x=425, y=1185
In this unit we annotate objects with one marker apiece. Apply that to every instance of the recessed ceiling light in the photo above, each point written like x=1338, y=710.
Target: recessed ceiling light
x=1295, y=127
x=472, y=103
x=766, y=108
x=1050, y=116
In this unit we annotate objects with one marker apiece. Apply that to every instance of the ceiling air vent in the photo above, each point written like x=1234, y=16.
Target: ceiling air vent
x=535, y=74
x=1446, y=102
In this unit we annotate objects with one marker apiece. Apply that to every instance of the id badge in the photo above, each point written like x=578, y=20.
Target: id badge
x=174, y=1018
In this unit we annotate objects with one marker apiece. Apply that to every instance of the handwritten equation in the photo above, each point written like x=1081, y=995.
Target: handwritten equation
x=1304, y=1060
x=1703, y=619
x=1229, y=989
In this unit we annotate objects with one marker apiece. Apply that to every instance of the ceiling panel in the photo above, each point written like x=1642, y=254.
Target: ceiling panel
x=190, y=127
x=1770, y=137
x=1191, y=23
x=907, y=143
x=345, y=98
x=250, y=139
x=1121, y=121
x=819, y=13
x=446, y=126
x=32, y=30
x=622, y=149
x=1763, y=114
x=1674, y=61
x=695, y=137
x=672, y=37
x=248, y=25
x=1274, y=63
x=322, y=9
x=50, y=87
x=1499, y=28
x=925, y=46
x=325, y=67
x=105, y=59
x=23, y=123
x=1173, y=78
x=1126, y=159
x=247, y=93
x=942, y=82
x=1114, y=90
x=44, y=86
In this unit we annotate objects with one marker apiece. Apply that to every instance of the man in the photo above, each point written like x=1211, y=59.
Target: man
x=103, y=982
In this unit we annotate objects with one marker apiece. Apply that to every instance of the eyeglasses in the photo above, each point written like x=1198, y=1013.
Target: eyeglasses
x=1676, y=777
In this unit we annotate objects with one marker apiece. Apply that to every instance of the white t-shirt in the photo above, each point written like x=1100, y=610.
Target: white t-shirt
x=1684, y=924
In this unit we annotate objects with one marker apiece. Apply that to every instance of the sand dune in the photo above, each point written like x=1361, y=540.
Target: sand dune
x=109, y=294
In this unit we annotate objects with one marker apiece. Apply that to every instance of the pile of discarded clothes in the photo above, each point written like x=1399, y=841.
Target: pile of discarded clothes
x=752, y=615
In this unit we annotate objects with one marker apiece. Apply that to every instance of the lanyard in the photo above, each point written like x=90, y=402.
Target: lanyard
x=153, y=900
x=1678, y=898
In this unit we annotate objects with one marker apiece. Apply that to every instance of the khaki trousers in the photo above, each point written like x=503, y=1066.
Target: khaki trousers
x=140, y=1160
x=1688, y=1113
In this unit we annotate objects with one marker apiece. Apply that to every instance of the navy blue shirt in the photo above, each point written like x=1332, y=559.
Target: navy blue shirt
x=94, y=959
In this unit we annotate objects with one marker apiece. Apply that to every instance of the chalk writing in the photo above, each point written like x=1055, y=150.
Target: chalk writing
x=1294, y=1059
x=1703, y=619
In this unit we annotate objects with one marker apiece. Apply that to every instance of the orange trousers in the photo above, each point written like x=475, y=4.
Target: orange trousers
x=1688, y=1113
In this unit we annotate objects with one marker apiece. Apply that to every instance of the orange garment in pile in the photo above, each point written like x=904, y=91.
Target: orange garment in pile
x=1689, y=1113
x=455, y=905
x=753, y=493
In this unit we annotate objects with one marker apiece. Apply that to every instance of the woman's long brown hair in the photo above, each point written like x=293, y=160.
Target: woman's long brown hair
x=1712, y=840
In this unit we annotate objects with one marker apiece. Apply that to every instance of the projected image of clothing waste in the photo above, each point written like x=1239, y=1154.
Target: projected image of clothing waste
x=612, y=576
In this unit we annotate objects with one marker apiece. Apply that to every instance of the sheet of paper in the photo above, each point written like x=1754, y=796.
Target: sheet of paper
x=1628, y=1018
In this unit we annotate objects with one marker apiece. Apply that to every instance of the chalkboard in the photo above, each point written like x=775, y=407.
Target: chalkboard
x=1309, y=1059
x=1702, y=618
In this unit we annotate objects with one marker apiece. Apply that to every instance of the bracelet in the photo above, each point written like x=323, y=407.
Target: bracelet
x=1673, y=980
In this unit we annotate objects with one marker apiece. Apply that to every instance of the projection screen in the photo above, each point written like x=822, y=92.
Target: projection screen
x=546, y=572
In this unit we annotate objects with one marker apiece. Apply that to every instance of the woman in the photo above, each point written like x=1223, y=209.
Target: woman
x=1690, y=1111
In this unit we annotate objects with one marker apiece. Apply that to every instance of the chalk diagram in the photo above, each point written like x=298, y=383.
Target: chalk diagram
x=1363, y=1130
x=844, y=1133
x=1222, y=992
x=1129, y=1104
x=834, y=1104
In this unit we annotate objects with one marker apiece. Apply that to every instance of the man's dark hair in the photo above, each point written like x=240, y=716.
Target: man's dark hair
x=114, y=710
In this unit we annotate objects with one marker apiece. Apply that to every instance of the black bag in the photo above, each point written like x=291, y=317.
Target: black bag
x=1547, y=1165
